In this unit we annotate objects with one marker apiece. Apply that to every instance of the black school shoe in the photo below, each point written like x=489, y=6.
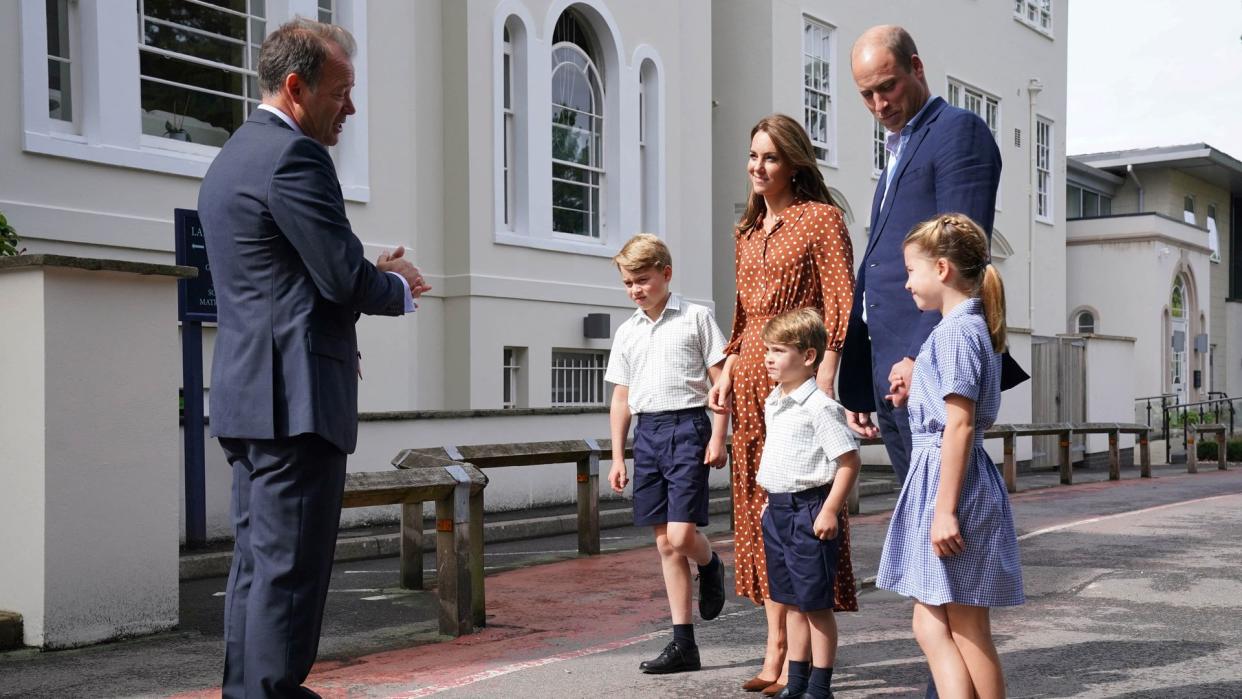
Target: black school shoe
x=711, y=588
x=784, y=694
x=673, y=658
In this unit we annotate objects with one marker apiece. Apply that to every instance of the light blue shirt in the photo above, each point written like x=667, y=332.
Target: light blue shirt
x=409, y=300
x=895, y=145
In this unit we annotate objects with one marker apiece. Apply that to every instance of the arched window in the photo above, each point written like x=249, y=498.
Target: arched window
x=577, y=130
x=649, y=145
x=512, y=183
x=1177, y=302
x=1085, y=323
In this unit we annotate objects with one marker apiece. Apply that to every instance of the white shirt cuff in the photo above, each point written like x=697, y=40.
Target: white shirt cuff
x=409, y=300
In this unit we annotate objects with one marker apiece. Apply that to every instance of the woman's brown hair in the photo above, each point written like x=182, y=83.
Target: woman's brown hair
x=794, y=147
x=961, y=241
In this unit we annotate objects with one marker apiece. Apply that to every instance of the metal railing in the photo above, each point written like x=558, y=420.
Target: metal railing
x=1177, y=416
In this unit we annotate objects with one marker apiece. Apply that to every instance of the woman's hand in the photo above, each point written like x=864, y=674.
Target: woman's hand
x=946, y=540
x=721, y=394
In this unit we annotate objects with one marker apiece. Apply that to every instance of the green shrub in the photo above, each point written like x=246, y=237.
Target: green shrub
x=8, y=239
x=1207, y=448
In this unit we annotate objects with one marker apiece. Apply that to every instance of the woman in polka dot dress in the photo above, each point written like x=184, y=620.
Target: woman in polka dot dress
x=792, y=251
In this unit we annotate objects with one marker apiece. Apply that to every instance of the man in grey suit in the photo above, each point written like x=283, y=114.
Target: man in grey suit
x=290, y=281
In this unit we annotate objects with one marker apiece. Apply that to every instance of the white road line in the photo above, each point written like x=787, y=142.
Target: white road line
x=540, y=662
x=1093, y=520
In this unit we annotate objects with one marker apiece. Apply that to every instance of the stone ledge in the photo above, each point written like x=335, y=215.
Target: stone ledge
x=95, y=264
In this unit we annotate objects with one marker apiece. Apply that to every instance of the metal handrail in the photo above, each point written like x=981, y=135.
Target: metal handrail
x=1186, y=411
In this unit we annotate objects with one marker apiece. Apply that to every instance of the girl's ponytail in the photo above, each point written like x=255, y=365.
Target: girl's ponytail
x=992, y=293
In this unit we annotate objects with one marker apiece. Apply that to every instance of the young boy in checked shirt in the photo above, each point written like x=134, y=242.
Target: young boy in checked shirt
x=664, y=360
x=809, y=464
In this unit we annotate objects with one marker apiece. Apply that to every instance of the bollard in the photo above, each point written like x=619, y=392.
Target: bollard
x=1114, y=456
x=1067, y=467
x=453, y=556
x=411, y=545
x=588, y=500
x=1192, y=449
x=1144, y=456
x=1010, y=469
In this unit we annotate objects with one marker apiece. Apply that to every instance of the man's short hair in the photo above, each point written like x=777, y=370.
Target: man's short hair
x=643, y=251
x=899, y=43
x=802, y=328
x=299, y=46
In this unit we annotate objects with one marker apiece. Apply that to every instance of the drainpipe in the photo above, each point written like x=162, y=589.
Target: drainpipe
x=1133, y=176
x=1033, y=88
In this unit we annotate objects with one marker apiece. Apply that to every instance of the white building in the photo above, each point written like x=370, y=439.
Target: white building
x=513, y=145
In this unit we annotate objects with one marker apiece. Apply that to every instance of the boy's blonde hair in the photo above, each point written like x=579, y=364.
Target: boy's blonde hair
x=803, y=328
x=643, y=251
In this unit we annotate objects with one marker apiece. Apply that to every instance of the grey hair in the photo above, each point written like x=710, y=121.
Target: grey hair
x=299, y=46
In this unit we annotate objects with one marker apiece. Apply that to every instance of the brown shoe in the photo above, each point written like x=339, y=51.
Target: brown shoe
x=757, y=683
x=773, y=690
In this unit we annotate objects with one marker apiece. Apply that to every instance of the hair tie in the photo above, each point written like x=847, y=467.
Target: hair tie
x=946, y=221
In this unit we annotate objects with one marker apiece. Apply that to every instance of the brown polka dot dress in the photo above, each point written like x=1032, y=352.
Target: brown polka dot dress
x=806, y=260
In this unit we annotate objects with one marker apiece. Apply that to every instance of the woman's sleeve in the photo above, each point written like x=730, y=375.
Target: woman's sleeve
x=834, y=264
x=739, y=311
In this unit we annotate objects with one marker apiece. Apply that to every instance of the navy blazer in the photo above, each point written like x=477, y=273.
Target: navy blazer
x=290, y=277
x=950, y=165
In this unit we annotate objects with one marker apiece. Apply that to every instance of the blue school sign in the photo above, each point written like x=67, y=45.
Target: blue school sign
x=196, y=304
x=196, y=298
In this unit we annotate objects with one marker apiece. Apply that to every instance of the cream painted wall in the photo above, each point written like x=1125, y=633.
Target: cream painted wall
x=1110, y=389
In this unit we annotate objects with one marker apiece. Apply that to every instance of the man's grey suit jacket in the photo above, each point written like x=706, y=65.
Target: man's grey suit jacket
x=290, y=279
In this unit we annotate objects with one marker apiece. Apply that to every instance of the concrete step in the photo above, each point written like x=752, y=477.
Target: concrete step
x=10, y=630
x=497, y=527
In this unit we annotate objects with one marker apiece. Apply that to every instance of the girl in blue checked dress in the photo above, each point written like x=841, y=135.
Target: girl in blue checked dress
x=951, y=543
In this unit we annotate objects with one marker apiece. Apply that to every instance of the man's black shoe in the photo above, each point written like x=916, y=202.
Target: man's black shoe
x=711, y=588
x=673, y=658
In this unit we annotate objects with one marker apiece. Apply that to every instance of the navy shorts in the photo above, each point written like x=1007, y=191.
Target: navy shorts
x=801, y=567
x=670, y=478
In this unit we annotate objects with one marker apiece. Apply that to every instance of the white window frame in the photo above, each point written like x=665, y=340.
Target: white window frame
x=879, y=148
x=597, y=229
x=1078, y=324
x=1045, y=184
x=109, y=129
x=651, y=166
x=533, y=227
x=983, y=104
x=579, y=372
x=1213, y=233
x=1036, y=14
x=511, y=365
x=819, y=30
x=72, y=125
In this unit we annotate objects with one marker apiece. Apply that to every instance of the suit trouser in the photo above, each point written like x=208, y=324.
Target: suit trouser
x=894, y=423
x=286, y=511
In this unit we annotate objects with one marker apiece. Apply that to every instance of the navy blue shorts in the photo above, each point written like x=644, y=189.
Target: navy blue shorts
x=670, y=478
x=801, y=567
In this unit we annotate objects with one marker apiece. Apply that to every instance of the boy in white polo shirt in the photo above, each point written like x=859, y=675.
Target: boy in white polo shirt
x=664, y=359
x=809, y=464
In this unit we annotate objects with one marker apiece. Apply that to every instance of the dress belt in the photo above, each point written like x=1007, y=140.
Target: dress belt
x=934, y=439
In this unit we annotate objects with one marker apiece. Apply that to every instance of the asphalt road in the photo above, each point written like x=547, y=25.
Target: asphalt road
x=1134, y=588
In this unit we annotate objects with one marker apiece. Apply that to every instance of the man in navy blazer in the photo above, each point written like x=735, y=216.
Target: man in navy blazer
x=290, y=280
x=941, y=159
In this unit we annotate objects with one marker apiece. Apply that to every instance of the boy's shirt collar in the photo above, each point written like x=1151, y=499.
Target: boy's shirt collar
x=673, y=304
x=799, y=395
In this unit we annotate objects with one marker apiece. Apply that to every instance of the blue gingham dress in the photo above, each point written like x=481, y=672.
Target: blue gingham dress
x=957, y=358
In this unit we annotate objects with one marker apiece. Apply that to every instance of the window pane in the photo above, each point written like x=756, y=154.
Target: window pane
x=59, y=83
x=1073, y=202
x=58, y=28
x=189, y=115
x=199, y=17
x=1106, y=205
x=182, y=41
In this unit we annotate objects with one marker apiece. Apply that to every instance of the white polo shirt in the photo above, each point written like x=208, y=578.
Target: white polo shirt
x=806, y=434
x=664, y=361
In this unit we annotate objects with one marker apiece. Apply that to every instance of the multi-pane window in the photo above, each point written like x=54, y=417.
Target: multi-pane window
x=1043, y=169
x=1188, y=210
x=1213, y=235
x=59, y=61
x=1081, y=202
x=1037, y=13
x=817, y=86
x=512, y=368
x=879, y=154
x=577, y=130
x=327, y=11
x=1086, y=323
x=197, y=63
x=509, y=117
x=578, y=377
x=977, y=101
x=649, y=146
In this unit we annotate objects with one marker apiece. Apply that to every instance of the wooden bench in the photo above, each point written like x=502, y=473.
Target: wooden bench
x=1192, y=446
x=457, y=490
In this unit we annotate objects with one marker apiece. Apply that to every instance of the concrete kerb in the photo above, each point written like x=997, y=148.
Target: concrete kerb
x=354, y=548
